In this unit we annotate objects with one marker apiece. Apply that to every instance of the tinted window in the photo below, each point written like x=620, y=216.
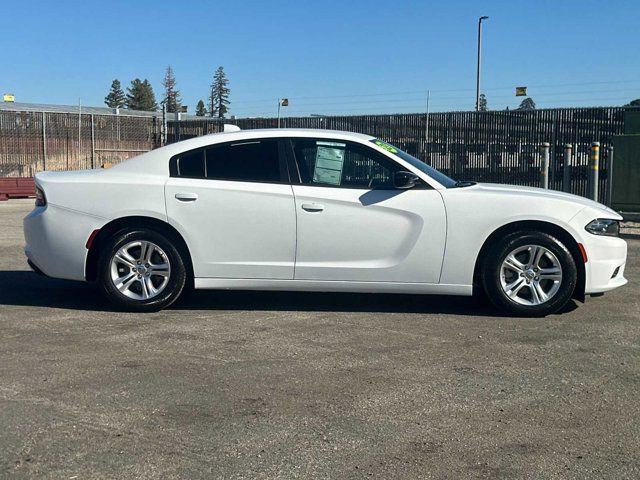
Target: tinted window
x=342, y=164
x=438, y=176
x=250, y=161
x=191, y=164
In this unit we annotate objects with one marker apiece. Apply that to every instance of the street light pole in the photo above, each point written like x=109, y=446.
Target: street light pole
x=479, y=61
x=279, y=105
x=282, y=102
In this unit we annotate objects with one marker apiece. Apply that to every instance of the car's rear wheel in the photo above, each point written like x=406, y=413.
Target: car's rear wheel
x=141, y=270
x=529, y=274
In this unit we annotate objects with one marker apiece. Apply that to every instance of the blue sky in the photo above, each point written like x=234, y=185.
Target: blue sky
x=327, y=56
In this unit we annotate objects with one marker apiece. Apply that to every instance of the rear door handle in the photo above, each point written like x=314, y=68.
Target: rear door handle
x=312, y=207
x=186, y=197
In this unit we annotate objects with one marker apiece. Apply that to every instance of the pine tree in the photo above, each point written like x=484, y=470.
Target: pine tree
x=171, y=94
x=149, y=97
x=115, y=98
x=219, y=98
x=527, y=104
x=200, y=110
x=140, y=96
x=482, y=104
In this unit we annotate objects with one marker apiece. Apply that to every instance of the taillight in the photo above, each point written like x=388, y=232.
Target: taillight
x=41, y=200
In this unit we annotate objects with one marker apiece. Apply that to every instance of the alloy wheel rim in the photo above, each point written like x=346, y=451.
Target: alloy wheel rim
x=140, y=270
x=531, y=275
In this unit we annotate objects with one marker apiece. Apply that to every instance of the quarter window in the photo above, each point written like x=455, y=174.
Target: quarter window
x=342, y=164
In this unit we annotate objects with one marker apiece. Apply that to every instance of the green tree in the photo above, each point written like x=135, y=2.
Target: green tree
x=482, y=104
x=200, y=110
x=149, y=97
x=527, y=104
x=171, y=93
x=634, y=103
x=140, y=96
x=116, y=97
x=219, y=98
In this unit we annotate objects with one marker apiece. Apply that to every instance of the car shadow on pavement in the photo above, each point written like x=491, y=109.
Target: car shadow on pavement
x=25, y=288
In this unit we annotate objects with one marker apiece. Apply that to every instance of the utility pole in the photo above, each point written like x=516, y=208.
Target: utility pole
x=479, y=61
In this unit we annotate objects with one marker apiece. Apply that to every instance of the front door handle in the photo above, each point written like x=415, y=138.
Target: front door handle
x=186, y=197
x=312, y=207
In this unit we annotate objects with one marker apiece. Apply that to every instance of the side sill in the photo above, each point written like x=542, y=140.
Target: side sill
x=332, y=286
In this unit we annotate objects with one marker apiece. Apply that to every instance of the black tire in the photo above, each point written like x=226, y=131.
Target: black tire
x=492, y=274
x=177, y=276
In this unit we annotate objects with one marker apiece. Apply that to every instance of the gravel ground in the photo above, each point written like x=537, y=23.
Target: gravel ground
x=300, y=385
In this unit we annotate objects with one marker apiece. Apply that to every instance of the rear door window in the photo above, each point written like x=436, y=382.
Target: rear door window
x=244, y=161
x=248, y=161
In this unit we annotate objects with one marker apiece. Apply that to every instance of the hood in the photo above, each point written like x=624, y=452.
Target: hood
x=542, y=193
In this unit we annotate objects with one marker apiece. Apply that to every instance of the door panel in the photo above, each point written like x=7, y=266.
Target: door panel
x=369, y=235
x=233, y=204
x=235, y=229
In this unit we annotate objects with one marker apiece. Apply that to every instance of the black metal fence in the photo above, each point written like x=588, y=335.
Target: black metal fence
x=495, y=146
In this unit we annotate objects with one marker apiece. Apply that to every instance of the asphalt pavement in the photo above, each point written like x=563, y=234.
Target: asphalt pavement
x=303, y=385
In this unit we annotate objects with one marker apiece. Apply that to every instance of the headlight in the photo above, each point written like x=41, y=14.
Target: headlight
x=41, y=200
x=604, y=226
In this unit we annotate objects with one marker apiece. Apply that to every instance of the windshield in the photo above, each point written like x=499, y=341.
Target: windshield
x=439, y=177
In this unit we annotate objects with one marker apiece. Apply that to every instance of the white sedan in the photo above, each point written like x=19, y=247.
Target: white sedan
x=315, y=210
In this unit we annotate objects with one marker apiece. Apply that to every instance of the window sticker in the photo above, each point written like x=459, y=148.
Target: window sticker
x=329, y=163
x=386, y=146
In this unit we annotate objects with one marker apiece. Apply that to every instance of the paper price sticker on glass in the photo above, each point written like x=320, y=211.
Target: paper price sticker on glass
x=329, y=163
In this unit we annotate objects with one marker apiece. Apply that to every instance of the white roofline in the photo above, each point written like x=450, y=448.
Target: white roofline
x=213, y=138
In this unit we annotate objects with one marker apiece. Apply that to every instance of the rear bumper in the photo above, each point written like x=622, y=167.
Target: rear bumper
x=35, y=268
x=55, y=240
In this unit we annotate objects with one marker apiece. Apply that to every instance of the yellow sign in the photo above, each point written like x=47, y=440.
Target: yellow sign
x=9, y=97
x=521, y=91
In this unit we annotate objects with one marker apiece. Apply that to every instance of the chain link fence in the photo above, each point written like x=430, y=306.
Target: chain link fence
x=34, y=141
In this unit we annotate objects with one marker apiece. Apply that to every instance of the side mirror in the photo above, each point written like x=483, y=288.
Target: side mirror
x=405, y=180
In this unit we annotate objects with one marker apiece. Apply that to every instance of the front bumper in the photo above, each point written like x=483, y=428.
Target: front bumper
x=606, y=260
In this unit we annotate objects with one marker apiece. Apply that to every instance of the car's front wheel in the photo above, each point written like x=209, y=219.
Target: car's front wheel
x=529, y=274
x=141, y=270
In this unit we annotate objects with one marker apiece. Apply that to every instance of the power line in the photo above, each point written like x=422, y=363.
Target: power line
x=423, y=92
x=420, y=109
